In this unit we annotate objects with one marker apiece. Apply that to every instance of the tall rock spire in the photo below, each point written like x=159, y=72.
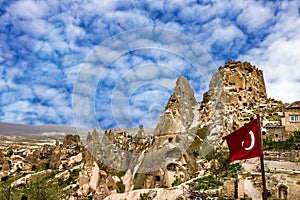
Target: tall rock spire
x=178, y=114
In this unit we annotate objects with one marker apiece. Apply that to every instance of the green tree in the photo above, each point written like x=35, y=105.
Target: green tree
x=286, y=145
x=233, y=169
x=219, y=165
x=297, y=136
x=121, y=187
x=199, y=135
x=207, y=182
x=5, y=192
x=9, y=152
x=176, y=182
x=42, y=188
x=144, y=196
x=218, y=158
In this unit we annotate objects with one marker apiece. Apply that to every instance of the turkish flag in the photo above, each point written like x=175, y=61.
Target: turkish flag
x=244, y=142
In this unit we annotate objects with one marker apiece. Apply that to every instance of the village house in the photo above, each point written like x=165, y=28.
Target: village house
x=292, y=117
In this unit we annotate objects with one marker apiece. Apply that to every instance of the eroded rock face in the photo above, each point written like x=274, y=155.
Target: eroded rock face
x=244, y=84
x=83, y=178
x=154, y=161
x=34, y=157
x=170, y=143
x=55, y=159
x=72, y=140
x=94, y=180
x=47, y=150
x=186, y=98
x=178, y=114
x=234, y=87
x=5, y=166
x=1, y=157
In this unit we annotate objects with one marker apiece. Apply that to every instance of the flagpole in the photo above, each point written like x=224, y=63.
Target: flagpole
x=264, y=194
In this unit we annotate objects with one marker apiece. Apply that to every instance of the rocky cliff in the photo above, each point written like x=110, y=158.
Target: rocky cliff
x=236, y=86
x=117, y=161
x=156, y=160
x=179, y=112
x=236, y=93
x=235, y=89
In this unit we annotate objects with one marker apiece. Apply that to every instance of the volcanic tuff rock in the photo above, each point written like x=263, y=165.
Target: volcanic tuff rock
x=71, y=140
x=1, y=157
x=178, y=114
x=243, y=83
x=154, y=161
x=235, y=87
x=234, y=92
x=167, y=157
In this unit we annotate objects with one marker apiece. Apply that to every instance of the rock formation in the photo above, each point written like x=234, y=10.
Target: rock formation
x=55, y=159
x=243, y=83
x=5, y=166
x=71, y=140
x=157, y=160
x=235, y=86
x=236, y=93
x=178, y=114
x=235, y=90
x=1, y=157
x=132, y=160
x=168, y=157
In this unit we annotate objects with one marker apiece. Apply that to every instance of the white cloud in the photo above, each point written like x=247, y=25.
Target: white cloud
x=278, y=55
x=36, y=27
x=280, y=62
x=255, y=15
x=43, y=44
x=28, y=9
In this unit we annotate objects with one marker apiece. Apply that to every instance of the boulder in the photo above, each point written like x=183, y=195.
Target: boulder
x=71, y=141
x=5, y=166
x=83, y=178
x=94, y=180
x=1, y=157
x=63, y=175
x=83, y=191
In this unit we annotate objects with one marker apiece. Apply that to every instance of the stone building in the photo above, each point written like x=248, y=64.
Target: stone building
x=276, y=132
x=292, y=117
x=281, y=184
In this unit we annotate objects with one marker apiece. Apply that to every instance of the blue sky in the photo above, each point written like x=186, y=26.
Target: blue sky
x=46, y=45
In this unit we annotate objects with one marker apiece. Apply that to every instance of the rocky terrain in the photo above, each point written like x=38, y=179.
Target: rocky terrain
x=184, y=157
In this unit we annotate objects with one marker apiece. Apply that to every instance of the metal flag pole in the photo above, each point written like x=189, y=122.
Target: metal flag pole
x=261, y=155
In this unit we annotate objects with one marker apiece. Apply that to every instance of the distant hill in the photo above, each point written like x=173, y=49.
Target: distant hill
x=50, y=130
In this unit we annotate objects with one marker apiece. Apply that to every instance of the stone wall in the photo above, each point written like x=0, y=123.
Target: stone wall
x=276, y=132
x=280, y=185
x=288, y=156
x=228, y=189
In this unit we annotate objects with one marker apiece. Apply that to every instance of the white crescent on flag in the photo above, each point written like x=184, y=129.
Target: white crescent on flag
x=252, y=141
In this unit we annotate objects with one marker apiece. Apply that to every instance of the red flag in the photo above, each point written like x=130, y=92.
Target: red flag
x=244, y=142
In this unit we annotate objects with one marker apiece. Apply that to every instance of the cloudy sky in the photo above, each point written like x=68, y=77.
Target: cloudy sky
x=116, y=62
